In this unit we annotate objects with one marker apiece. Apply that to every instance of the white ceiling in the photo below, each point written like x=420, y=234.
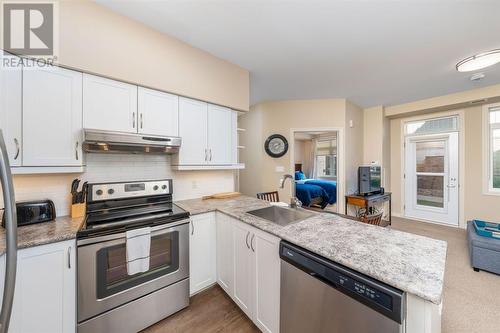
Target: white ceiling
x=376, y=52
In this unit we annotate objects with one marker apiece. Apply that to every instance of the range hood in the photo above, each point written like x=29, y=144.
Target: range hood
x=126, y=143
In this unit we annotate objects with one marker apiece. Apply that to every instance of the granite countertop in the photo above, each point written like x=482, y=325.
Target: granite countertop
x=409, y=262
x=63, y=228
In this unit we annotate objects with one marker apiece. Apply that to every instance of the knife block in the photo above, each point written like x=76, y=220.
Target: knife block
x=77, y=210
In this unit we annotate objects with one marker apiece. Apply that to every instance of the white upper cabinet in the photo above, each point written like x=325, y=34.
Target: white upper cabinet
x=11, y=108
x=193, y=131
x=219, y=135
x=234, y=137
x=52, y=117
x=109, y=105
x=209, y=135
x=158, y=112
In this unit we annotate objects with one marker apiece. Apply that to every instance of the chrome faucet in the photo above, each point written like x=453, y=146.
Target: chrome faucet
x=294, y=202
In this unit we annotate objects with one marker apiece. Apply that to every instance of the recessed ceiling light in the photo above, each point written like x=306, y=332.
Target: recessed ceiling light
x=479, y=61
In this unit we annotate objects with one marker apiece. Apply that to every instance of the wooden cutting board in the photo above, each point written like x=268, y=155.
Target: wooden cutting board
x=223, y=195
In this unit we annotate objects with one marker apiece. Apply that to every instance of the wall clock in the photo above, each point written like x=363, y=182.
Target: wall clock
x=276, y=145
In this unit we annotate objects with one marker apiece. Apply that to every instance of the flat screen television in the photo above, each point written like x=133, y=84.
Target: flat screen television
x=369, y=179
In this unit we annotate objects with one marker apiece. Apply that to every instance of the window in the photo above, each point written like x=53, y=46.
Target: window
x=432, y=126
x=491, y=144
x=326, y=158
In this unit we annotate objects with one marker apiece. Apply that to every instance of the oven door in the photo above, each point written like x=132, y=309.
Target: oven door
x=103, y=282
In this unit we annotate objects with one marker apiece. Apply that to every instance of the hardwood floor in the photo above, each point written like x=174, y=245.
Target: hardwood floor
x=210, y=311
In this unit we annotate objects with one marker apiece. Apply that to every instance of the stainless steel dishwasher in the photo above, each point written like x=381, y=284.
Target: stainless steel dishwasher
x=320, y=296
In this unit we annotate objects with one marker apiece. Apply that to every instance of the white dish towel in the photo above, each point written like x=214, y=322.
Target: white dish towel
x=138, y=245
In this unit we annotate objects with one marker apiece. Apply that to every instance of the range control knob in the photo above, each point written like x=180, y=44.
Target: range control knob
x=155, y=187
x=111, y=191
x=98, y=192
x=163, y=187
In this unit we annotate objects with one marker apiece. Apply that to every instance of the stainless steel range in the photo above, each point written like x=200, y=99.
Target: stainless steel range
x=110, y=298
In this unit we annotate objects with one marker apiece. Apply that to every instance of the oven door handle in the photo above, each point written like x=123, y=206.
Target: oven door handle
x=154, y=231
x=132, y=220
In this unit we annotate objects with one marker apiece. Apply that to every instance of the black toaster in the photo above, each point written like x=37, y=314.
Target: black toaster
x=31, y=212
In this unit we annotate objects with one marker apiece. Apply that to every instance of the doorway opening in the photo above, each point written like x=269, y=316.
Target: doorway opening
x=317, y=164
x=431, y=173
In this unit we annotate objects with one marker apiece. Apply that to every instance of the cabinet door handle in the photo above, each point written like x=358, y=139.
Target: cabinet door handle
x=246, y=240
x=76, y=150
x=69, y=257
x=210, y=154
x=133, y=119
x=206, y=155
x=192, y=227
x=251, y=242
x=18, y=149
x=141, y=121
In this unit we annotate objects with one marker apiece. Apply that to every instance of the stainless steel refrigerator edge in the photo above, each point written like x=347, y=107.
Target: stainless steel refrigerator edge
x=11, y=234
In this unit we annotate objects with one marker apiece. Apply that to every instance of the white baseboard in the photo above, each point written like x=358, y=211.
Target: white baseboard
x=427, y=221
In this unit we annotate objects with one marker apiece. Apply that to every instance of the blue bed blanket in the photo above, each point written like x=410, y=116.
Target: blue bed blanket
x=306, y=192
x=330, y=186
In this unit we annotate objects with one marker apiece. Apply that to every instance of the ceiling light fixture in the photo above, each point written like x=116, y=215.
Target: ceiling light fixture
x=479, y=61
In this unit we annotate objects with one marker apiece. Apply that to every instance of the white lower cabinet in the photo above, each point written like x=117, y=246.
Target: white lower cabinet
x=248, y=269
x=225, y=254
x=45, y=294
x=267, y=282
x=244, y=266
x=202, y=249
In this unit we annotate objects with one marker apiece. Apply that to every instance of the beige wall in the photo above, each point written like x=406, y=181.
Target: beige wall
x=353, y=145
x=280, y=117
x=97, y=40
x=376, y=141
x=463, y=99
x=476, y=204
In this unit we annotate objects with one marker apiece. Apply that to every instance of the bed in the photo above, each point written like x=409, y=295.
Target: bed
x=310, y=194
x=330, y=186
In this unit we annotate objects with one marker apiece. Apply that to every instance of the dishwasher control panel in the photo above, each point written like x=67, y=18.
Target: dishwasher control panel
x=381, y=297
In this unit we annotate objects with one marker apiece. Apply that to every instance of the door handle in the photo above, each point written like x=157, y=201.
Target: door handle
x=133, y=119
x=246, y=240
x=206, y=155
x=141, y=121
x=192, y=227
x=76, y=150
x=10, y=219
x=69, y=257
x=210, y=154
x=17, y=148
x=251, y=242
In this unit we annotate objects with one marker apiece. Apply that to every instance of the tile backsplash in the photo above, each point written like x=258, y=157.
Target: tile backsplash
x=117, y=167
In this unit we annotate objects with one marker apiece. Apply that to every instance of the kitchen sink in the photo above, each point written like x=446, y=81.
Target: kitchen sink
x=280, y=215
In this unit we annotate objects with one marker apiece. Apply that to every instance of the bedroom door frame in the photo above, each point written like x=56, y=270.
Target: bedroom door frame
x=340, y=158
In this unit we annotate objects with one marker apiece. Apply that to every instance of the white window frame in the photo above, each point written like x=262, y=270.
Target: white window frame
x=487, y=158
x=333, y=155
